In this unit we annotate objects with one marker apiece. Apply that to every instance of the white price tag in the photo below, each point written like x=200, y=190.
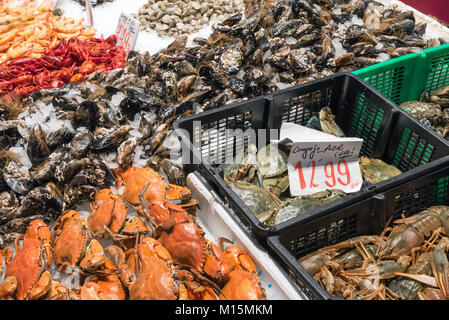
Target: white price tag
x=127, y=32
x=319, y=161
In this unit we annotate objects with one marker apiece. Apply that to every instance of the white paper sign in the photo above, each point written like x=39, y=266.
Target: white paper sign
x=127, y=32
x=319, y=161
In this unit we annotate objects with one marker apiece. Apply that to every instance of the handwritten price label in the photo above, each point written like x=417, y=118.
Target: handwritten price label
x=127, y=32
x=317, y=166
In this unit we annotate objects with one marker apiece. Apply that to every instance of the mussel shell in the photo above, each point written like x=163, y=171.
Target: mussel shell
x=45, y=171
x=86, y=115
x=129, y=107
x=145, y=97
x=37, y=148
x=42, y=201
x=18, y=178
x=79, y=146
x=9, y=133
x=111, y=139
x=237, y=85
x=59, y=137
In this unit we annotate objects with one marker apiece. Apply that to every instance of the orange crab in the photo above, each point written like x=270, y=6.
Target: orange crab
x=242, y=283
x=108, y=211
x=179, y=233
x=149, y=273
x=73, y=244
x=31, y=263
x=106, y=287
x=146, y=184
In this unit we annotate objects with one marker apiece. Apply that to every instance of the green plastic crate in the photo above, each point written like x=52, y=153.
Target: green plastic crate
x=407, y=77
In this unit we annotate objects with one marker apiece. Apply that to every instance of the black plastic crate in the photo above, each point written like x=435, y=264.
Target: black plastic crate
x=369, y=217
x=389, y=134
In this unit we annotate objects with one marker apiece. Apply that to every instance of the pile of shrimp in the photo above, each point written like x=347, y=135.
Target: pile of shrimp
x=30, y=30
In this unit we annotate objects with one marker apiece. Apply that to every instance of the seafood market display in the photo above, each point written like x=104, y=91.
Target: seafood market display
x=90, y=185
x=181, y=17
x=69, y=61
x=406, y=262
x=432, y=110
x=31, y=30
x=159, y=253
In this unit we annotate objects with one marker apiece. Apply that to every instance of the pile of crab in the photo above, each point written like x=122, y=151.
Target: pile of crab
x=159, y=253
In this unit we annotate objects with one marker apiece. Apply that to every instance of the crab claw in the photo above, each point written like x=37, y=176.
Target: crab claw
x=8, y=287
x=175, y=192
x=94, y=256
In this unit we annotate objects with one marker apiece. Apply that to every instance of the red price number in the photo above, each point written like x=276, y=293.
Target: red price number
x=333, y=174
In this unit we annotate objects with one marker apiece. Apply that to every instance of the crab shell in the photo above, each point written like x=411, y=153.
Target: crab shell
x=108, y=287
x=149, y=272
x=31, y=262
x=109, y=211
x=136, y=179
x=187, y=245
x=243, y=285
x=73, y=243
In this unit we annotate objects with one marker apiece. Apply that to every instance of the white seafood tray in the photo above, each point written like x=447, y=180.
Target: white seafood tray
x=106, y=18
x=216, y=221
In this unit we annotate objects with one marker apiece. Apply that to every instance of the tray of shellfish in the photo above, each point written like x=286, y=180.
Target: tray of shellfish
x=392, y=246
x=396, y=148
x=133, y=242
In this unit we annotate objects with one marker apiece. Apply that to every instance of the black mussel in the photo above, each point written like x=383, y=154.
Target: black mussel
x=109, y=117
x=9, y=133
x=286, y=28
x=170, y=86
x=18, y=178
x=154, y=162
x=401, y=28
x=232, y=20
x=175, y=174
x=237, y=85
x=420, y=29
x=45, y=172
x=66, y=170
x=15, y=227
x=146, y=126
x=232, y=58
x=111, y=90
x=64, y=103
x=37, y=95
x=59, y=136
x=129, y=107
x=79, y=146
x=214, y=76
x=145, y=97
x=111, y=139
x=216, y=102
x=299, y=6
x=73, y=195
x=300, y=60
x=46, y=201
x=125, y=152
x=356, y=33
x=184, y=68
x=86, y=115
x=37, y=148
x=155, y=140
